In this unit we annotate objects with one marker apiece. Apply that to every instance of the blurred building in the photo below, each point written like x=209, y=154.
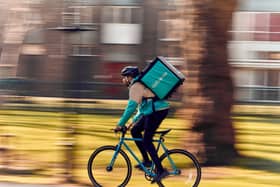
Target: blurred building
x=81, y=45
x=49, y=46
x=255, y=51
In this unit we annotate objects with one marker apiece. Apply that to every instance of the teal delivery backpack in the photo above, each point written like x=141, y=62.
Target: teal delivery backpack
x=161, y=77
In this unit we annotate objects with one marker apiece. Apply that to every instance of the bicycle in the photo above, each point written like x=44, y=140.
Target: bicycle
x=109, y=162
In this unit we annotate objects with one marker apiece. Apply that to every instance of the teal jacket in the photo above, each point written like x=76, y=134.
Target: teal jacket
x=140, y=100
x=148, y=105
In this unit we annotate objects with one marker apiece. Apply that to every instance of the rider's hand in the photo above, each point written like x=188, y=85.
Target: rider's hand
x=119, y=128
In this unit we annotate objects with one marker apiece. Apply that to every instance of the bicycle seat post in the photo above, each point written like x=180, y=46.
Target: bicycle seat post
x=161, y=138
x=162, y=134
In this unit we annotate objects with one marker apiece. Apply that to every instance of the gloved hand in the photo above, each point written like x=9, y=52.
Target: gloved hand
x=120, y=129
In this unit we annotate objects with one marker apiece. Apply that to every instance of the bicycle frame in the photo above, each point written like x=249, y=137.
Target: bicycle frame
x=160, y=143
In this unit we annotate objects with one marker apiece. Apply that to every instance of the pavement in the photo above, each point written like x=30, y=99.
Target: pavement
x=7, y=184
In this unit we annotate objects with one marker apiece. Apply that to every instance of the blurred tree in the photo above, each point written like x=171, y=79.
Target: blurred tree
x=209, y=87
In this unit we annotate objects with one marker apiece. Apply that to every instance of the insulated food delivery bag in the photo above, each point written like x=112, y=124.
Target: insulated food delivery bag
x=161, y=77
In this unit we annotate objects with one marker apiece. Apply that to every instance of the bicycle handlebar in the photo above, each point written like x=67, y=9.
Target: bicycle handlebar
x=122, y=130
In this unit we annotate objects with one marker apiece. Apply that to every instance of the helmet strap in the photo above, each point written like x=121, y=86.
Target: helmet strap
x=128, y=82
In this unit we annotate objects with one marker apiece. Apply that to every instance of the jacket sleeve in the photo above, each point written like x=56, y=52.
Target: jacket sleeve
x=137, y=116
x=130, y=109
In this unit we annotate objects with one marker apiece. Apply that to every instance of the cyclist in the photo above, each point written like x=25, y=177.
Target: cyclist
x=151, y=112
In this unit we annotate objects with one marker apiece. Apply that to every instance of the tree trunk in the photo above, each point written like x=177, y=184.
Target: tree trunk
x=210, y=86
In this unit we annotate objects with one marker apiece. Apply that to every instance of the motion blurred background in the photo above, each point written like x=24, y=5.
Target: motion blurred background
x=60, y=88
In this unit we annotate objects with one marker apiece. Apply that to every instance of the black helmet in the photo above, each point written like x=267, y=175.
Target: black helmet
x=132, y=71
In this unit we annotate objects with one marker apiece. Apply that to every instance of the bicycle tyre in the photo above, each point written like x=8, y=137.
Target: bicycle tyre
x=98, y=171
x=189, y=173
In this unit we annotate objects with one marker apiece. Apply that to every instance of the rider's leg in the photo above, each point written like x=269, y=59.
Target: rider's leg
x=136, y=132
x=152, y=122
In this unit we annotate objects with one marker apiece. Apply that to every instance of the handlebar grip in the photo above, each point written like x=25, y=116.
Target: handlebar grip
x=122, y=129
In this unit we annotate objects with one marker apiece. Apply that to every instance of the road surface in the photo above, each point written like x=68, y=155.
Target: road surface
x=6, y=184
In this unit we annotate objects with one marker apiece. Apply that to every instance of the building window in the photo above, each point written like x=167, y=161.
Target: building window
x=257, y=85
x=122, y=14
x=84, y=43
x=256, y=26
x=261, y=27
x=84, y=50
x=275, y=26
x=121, y=25
x=242, y=26
x=121, y=53
x=83, y=16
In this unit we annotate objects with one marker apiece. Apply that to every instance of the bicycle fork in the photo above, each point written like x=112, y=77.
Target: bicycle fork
x=118, y=148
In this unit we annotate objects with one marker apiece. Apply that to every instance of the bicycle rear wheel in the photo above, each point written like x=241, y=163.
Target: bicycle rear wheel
x=100, y=171
x=183, y=167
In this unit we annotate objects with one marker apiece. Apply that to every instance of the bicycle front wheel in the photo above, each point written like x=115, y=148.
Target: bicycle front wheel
x=183, y=167
x=104, y=171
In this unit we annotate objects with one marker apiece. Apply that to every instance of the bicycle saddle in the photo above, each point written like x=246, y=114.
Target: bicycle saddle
x=163, y=132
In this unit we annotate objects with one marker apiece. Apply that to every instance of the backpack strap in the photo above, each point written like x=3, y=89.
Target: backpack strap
x=136, y=79
x=153, y=99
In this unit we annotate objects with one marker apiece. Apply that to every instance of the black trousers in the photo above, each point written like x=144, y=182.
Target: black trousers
x=149, y=124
